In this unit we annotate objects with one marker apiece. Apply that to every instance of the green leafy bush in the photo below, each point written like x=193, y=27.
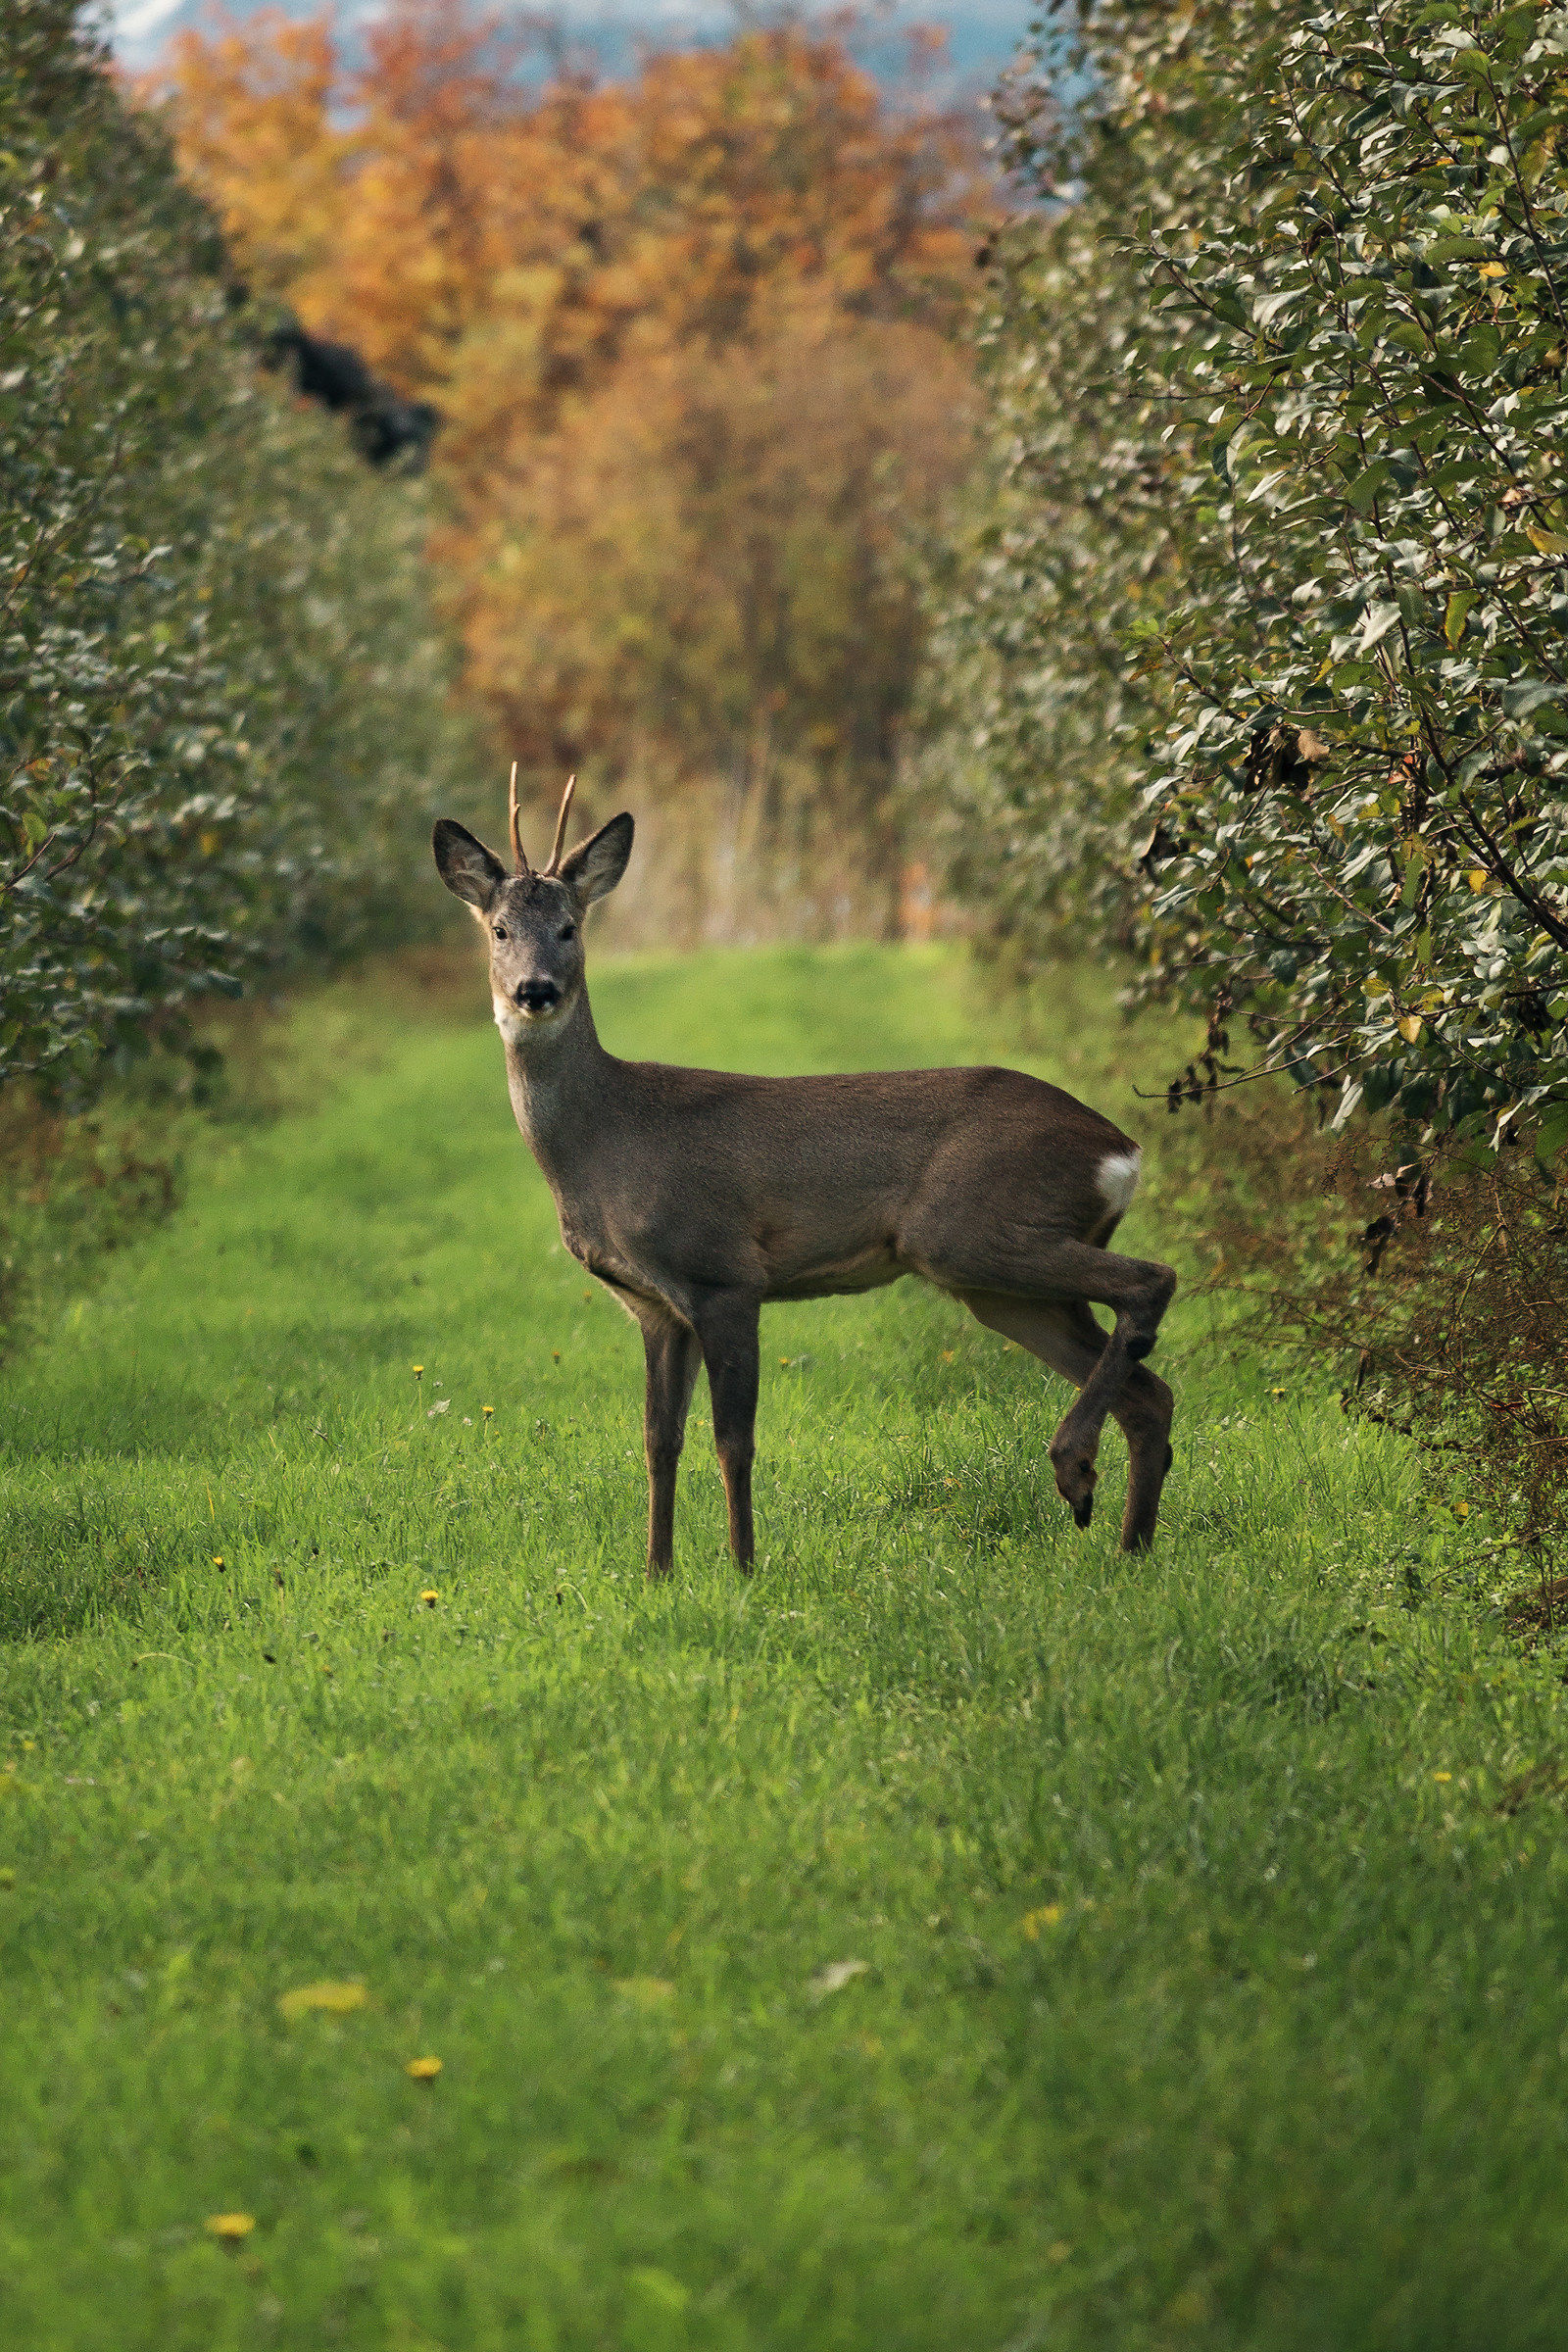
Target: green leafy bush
x=1080, y=525
x=1332, y=634
x=223, y=707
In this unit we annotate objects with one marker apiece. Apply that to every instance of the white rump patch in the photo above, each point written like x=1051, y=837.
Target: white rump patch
x=1118, y=1179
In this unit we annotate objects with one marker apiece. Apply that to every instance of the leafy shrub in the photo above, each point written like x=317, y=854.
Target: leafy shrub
x=1331, y=631
x=1436, y=1285
x=222, y=707
x=1036, y=713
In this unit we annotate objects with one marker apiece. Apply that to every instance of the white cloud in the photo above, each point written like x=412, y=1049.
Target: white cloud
x=135, y=19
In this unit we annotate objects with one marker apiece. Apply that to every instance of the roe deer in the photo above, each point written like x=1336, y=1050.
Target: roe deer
x=697, y=1196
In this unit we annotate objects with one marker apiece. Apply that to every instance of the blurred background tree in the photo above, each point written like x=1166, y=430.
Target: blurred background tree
x=695, y=339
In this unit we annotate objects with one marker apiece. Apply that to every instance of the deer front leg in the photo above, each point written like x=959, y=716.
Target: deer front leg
x=728, y=1329
x=674, y=1356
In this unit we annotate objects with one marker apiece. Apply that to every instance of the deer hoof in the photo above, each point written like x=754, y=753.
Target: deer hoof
x=1076, y=1484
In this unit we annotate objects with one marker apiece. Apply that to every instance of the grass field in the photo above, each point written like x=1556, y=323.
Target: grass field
x=961, y=1937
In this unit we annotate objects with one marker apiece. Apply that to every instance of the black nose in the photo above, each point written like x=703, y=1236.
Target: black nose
x=538, y=996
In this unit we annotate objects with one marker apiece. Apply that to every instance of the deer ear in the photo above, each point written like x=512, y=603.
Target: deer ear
x=597, y=865
x=465, y=865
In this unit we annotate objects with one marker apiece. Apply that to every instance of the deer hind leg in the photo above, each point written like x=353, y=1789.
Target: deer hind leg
x=1022, y=1263
x=1067, y=1337
x=727, y=1325
x=673, y=1355
x=1138, y=1290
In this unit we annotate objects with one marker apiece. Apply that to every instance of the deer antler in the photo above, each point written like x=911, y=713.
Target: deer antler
x=520, y=860
x=560, y=824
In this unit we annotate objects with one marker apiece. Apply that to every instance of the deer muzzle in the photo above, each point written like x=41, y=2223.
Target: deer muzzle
x=536, y=996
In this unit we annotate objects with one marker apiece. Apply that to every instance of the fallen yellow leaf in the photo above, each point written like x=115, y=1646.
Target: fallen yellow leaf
x=331, y=1999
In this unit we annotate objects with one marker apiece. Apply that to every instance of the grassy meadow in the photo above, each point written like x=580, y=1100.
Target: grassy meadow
x=961, y=1938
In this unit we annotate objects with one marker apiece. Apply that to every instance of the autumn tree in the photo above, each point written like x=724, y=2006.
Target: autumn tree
x=693, y=337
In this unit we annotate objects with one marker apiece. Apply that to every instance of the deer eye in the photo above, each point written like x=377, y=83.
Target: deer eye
x=570, y=932
x=501, y=930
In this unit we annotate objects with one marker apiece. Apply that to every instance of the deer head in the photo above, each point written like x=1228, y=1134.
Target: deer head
x=532, y=921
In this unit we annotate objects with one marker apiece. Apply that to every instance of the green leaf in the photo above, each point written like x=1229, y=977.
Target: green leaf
x=1552, y=1136
x=1368, y=484
x=1525, y=695
x=1379, y=620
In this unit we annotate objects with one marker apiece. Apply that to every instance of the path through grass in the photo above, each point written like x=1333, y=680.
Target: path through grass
x=963, y=1938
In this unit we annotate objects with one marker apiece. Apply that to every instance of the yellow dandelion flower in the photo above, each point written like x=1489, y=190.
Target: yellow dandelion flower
x=218, y=1559
x=229, y=2228
x=423, y=2070
x=418, y=1371
x=429, y=1598
x=488, y=1411
x=1443, y=1776
x=555, y=1356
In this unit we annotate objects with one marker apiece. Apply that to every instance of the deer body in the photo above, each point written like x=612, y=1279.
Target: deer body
x=698, y=1196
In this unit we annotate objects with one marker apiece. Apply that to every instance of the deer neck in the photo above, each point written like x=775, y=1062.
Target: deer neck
x=558, y=1078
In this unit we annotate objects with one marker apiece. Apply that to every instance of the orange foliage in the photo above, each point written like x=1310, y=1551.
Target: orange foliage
x=255, y=132
x=692, y=336
x=717, y=558
x=463, y=200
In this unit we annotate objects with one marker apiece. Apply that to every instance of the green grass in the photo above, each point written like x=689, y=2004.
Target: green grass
x=1208, y=1996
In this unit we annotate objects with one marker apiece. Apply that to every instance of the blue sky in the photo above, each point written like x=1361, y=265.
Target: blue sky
x=982, y=34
